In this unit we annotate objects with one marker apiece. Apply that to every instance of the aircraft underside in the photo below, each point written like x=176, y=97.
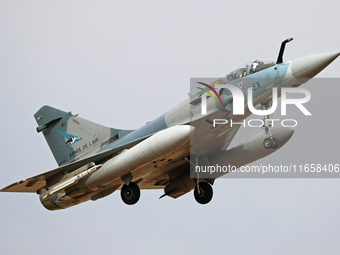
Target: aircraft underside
x=94, y=161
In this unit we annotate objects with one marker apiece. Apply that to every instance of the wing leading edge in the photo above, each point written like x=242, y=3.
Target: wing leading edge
x=33, y=184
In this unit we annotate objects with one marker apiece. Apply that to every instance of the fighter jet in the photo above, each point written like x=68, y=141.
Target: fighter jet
x=94, y=161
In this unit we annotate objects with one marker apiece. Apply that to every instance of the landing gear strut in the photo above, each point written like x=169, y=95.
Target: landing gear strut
x=270, y=142
x=130, y=193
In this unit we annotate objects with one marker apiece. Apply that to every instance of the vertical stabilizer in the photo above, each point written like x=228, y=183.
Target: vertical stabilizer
x=70, y=137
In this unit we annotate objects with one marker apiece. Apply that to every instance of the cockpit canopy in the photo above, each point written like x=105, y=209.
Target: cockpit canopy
x=249, y=68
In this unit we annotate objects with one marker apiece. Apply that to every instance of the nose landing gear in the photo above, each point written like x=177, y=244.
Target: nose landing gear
x=270, y=142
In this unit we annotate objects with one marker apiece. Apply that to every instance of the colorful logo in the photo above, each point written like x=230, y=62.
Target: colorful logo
x=70, y=139
x=213, y=90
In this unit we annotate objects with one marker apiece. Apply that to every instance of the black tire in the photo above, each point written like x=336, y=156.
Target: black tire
x=130, y=194
x=205, y=193
x=275, y=143
x=268, y=143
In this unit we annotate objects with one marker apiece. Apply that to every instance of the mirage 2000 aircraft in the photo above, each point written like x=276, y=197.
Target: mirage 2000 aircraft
x=94, y=161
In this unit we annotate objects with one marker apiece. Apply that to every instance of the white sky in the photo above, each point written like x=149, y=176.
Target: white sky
x=123, y=63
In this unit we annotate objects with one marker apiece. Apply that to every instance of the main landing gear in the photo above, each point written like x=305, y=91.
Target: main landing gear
x=203, y=192
x=270, y=142
x=130, y=193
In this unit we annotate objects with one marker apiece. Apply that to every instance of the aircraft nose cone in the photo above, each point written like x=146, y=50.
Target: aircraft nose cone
x=308, y=67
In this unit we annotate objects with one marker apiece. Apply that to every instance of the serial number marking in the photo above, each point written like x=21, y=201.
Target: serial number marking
x=316, y=168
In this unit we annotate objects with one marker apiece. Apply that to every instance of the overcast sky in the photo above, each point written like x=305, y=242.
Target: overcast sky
x=123, y=63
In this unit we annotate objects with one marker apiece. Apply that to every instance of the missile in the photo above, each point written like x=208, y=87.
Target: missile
x=149, y=150
x=60, y=187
